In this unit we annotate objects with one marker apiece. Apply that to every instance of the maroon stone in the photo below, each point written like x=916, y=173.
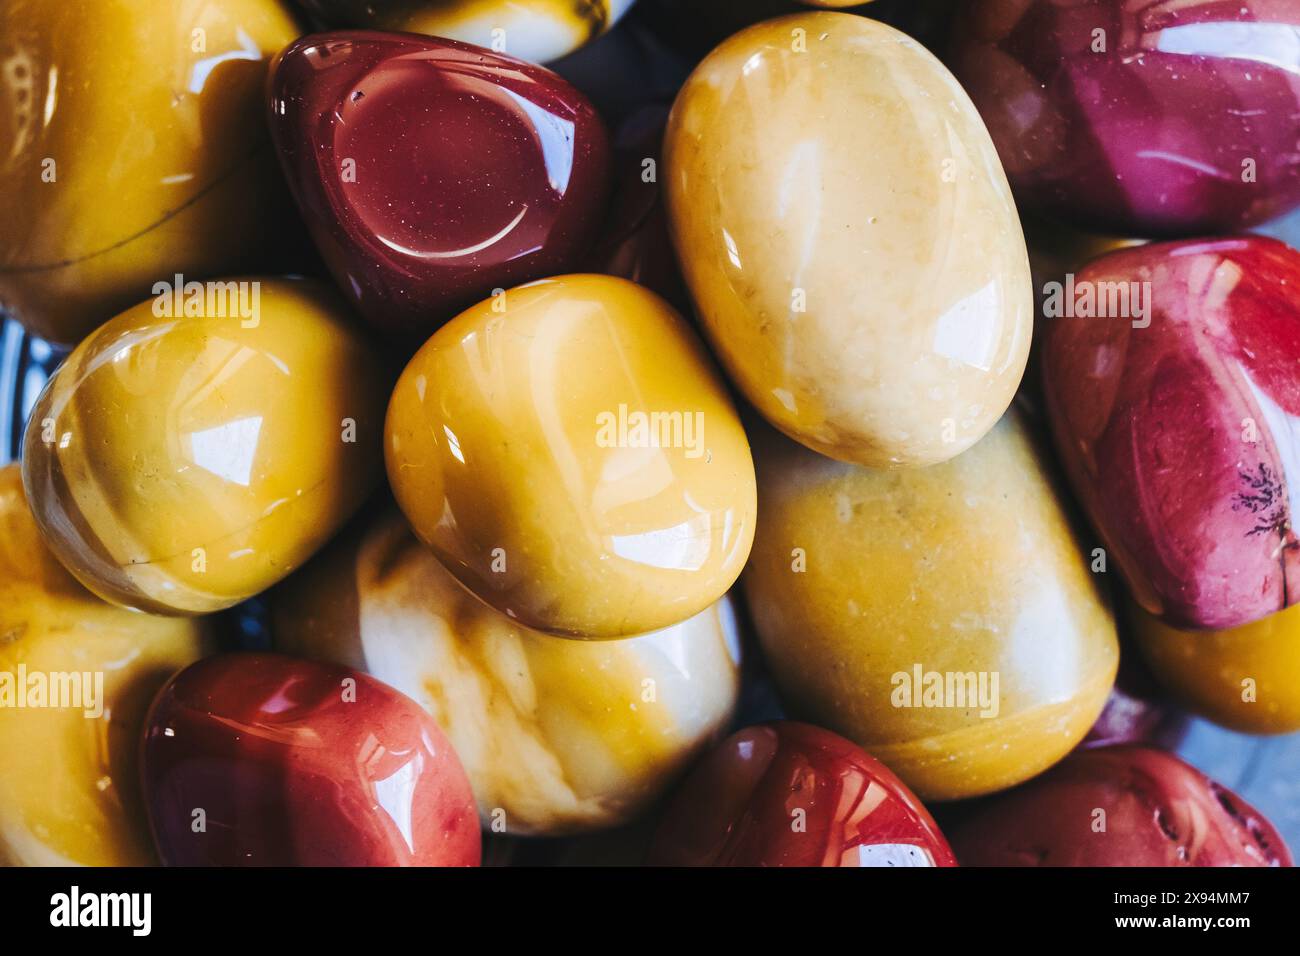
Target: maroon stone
x=1118, y=806
x=431, y=172
x=790, y=794
x=285, y=763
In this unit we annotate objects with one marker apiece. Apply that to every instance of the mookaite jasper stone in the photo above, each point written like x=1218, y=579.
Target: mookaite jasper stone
x=287, y=762
x=181, y=464
x=1246, y=678
x=571, y=455
x=1119, y=806
x=69, y=792
x=867, y=586
x=1141, y=118
x=833, y=274
x=432, y=172
x=1175, y=421
x=133, y=148
x=557, y=736
x=538, y=30
x=789, y=794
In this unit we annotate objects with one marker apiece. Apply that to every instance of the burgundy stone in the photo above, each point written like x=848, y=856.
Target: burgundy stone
x=790, y=794
x=288, y=771
x=431, y=172
x=1118, y=806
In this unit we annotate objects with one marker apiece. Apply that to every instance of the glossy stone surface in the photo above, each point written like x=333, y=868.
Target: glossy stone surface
x=1246, y=678
x=1178, y=436
x=1165, y=119
x=1119, y=806
x=832, y=276
x=69, y=791
x=183, y=464
x=520, y=444
x=557, y=736
x=134, y=148
x=536, y=30
x=790, y=794
x=296, y=763
x=432, y=172
x=860, y=577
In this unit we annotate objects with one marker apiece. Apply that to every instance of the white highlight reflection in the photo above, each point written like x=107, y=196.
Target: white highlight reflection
x=228, y=450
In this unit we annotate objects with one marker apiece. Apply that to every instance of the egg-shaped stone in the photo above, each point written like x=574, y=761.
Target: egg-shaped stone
x=133, y=148
x=1171, y=377
x=432, y=172
x=828, y=185
x=557, y=736
x=197, y=448
x=945, y=619
x=570, y=454
x=1152, y=119
x=1246, y=678
x=537, y=30
x=76, y=677
x=287, y=762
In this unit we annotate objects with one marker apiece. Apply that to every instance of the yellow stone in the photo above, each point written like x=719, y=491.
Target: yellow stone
x=69, y=788
x=184, y=464
x=1245, y=678
x=133, y=146
x=860, y=579
x=849, y=239
x=536, y=30
x=570, y=454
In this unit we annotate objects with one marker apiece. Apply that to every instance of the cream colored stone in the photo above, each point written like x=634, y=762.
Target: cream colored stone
x=849, y=239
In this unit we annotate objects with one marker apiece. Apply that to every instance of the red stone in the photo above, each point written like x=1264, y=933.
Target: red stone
x=288, y=771
x=790, y=794
x=1180, y=437
x=432, y=172
x=1118, y=806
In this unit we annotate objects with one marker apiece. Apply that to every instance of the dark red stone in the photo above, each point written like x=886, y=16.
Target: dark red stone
x=288, y=772
x=431, y=172
x=789, y=794
x=1149, y=135
x=1118, y=806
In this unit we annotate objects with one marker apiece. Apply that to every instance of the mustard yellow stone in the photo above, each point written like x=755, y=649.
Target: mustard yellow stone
x=569, y=453
x=69, y=791
x=537, y=30
x=132, y=146
x=849, y=239
x=944, y=618
x=1245, y=678
x=557, y=736
x=182, y=464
